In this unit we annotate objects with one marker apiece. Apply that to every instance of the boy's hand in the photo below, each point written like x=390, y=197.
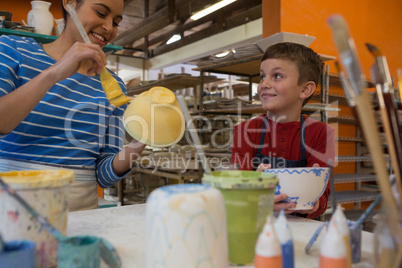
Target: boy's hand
x=262, y=167
x=314, y=209
x=281, y=205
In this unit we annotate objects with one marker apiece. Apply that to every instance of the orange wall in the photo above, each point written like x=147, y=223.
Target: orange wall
x=20, y=9
x=370, y=21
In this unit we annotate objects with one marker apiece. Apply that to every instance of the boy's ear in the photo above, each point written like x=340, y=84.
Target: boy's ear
x=308, y=90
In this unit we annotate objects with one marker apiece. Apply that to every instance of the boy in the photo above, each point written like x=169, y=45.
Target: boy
x=283, y=137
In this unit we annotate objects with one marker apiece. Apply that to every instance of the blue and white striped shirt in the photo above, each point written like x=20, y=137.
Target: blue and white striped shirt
x=73, y=124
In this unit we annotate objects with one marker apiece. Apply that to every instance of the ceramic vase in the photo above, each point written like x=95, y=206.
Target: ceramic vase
x=40, y=17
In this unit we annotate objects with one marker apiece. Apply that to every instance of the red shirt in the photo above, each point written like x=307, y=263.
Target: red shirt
x=283, y=140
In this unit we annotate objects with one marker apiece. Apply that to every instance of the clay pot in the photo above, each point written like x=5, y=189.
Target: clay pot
x=154, y=118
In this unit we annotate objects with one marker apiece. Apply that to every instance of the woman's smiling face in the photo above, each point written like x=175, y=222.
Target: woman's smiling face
x=278, y=88
x=101, y=19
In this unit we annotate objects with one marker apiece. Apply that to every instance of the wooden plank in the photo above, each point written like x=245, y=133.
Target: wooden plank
x=173, y=83
x=149, y=25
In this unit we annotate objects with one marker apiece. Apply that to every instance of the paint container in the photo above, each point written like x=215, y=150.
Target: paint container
x=343, y=228
x=355, y=231
x=285, y=239
x=333, y=249
x=84, y=255
x=47, y=191
x=387, y=240
x=186, y=227
x=18, y=254
x=268, y=252
x=249, y=199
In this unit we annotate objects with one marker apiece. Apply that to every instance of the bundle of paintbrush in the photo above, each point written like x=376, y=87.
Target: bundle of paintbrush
x=361, y=99
x=389, y=113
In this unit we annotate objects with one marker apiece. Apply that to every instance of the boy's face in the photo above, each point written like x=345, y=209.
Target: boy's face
x=278, y=89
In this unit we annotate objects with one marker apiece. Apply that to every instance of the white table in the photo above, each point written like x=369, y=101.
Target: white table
x=124, y=227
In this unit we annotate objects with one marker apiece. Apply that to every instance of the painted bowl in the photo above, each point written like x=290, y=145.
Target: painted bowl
x=154, y=118
x=302, y=185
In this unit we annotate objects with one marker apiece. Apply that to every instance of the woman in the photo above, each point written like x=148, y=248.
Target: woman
x=53, y=111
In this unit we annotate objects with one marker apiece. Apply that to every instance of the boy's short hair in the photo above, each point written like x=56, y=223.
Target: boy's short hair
x=307, y=61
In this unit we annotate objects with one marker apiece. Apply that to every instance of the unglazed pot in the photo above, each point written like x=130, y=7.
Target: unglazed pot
x=40, y=17
x=154, y=118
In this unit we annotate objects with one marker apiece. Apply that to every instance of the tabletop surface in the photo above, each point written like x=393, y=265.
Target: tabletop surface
x=124, y=227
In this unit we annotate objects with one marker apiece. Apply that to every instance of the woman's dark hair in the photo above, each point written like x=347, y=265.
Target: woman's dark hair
x=79, y=3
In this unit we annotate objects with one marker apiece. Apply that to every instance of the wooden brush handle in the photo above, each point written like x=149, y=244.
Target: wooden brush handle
x=391, y=140
x=371, y=133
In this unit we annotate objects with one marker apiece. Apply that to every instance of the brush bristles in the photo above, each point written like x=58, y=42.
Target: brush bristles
x=340, y=32
x=375, y=51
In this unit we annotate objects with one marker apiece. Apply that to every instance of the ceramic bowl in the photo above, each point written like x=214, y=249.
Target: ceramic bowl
x=154, y=118
x=302, y=185
x=281, y=37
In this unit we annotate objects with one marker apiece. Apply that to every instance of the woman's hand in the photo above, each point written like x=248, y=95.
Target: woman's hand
x=262, y=167
x=126, y=158
x=72, y=59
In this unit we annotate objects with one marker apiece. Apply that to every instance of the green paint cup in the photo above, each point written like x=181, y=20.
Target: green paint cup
x=249, y=199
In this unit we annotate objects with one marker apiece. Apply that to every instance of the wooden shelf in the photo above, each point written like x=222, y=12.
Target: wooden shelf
x=41, y=38
x=247, y=66
x=176, y=82
x=257, y=109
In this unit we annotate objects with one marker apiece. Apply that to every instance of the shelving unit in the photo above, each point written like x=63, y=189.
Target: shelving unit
x=249, y=67
x=175, y=82
x=44, y=39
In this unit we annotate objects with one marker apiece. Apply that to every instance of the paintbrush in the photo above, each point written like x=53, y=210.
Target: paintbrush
x=314, y=237
x=332, y=184
x=53, y=231
x=382, y=78
x=350, y=95
x=194, y=135
x=1, y=243
x=399, y=75
x=110, y=86
x=351, y=64
x=368, y=210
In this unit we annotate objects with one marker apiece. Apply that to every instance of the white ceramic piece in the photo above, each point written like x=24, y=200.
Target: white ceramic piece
x=59, y=27
x=40, y=17
x=302, y=185
x=186, y=227
x=281, y=37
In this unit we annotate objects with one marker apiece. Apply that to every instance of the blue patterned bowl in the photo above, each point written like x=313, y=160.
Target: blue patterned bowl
x=302, y=185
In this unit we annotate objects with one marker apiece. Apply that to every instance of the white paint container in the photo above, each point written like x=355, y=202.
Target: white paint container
x=46, y=191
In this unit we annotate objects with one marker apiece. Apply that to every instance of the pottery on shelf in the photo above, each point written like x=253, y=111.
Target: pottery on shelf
x=40, y=17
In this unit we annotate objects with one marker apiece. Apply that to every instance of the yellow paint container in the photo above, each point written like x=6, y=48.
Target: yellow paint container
x=47, y=191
